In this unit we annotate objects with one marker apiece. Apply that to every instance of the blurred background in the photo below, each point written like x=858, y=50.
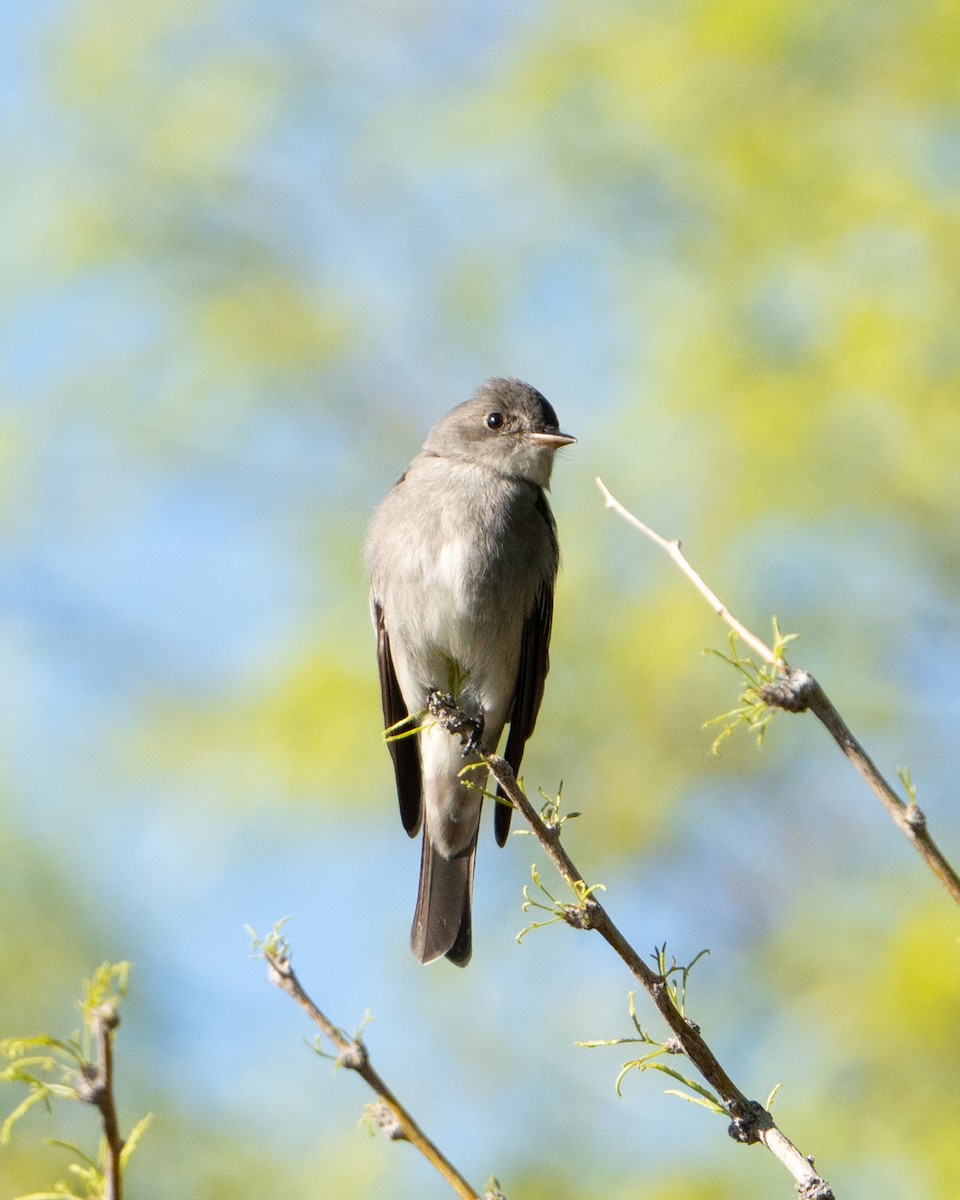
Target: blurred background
x=250, y=253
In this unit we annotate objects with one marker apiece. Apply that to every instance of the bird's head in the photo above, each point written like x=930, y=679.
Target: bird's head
x=506, y=426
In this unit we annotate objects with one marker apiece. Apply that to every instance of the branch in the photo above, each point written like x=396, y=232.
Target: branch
x=80, y=1069
x=797, y=691
x=750, y=1121
x=95, y=1086
x=672, y=548
x=389, y=1113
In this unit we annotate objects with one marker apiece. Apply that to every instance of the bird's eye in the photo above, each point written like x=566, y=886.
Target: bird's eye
x=494, y=420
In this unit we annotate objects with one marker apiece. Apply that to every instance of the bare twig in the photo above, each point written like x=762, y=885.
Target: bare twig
x=673, y=549
x=797, y=691
x=750, y=1121
x=909, y=818
x=388, y=1112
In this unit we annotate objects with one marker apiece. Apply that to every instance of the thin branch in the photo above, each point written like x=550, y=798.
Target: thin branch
x=750, y=1121
x=95, y=1087
x=389, y=1113
x=105, y=1020
x=673, y=549
x=80, y=1068
x=797, y=691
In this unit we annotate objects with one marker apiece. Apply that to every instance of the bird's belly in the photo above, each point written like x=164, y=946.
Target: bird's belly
x=465, y=633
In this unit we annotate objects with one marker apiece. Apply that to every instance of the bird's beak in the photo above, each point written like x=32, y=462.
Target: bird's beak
x=553, y=440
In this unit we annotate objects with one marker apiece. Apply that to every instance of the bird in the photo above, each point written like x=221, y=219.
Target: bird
x=463, y=558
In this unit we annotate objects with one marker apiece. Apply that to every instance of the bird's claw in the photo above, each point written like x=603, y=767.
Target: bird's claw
x=451, y=717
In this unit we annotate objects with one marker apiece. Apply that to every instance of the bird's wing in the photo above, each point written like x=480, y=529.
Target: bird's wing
x=531, y=676
x=404, y=751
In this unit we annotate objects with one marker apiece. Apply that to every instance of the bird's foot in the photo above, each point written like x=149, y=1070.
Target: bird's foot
x=451, y=717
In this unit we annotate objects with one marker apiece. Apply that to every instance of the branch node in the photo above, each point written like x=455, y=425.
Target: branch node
x=90, y=1085
x=552, y=831
x=383, y=1116
x=580, y=916
x=354, y=1057
x=106, y=1015
x=279, y=970
x=815, y=1188
x=915, y=818
x=748, y=1120
x=450, y=716
x=792, y=690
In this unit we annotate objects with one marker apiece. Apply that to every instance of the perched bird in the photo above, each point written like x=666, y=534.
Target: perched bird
x=463, y=558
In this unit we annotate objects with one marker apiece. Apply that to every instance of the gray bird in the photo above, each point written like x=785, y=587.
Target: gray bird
x=463, y=557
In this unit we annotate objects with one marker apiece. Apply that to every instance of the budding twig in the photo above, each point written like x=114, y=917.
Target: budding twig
x=750, y=1121
x=105, y=1019
x=388, y=1112
x=80, y=1068
x=797, y=691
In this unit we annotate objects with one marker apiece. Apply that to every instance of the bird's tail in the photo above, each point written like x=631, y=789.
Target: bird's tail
x=441, y=923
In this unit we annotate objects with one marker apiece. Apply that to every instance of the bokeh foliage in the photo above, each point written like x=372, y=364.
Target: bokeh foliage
x=250, y=254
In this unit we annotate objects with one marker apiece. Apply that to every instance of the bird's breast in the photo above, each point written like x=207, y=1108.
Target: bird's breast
x=452, y=573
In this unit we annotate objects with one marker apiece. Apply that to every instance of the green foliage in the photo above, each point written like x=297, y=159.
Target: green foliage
x=551, y=812
x=71, y=1071
x=676, y=977
x=556, y=909
x=909, y=786
x=274, y=945
x=753, y=711
x=553, y=817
